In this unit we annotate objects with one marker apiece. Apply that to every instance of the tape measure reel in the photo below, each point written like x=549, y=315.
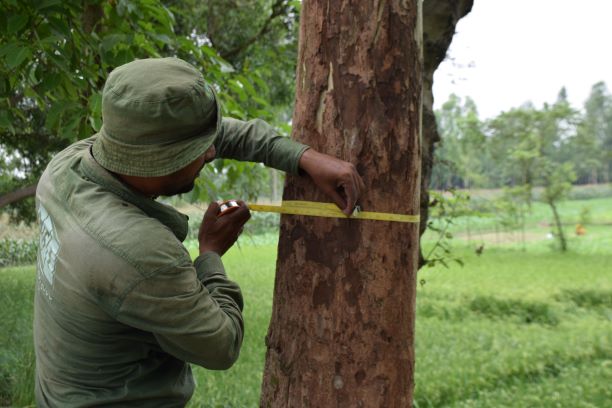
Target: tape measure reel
x=227, y=207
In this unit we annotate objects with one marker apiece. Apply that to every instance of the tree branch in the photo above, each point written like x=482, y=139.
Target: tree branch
x=278, y=9
x=18, y=195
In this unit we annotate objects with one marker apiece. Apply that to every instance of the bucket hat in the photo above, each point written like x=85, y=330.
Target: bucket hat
x=158, y=115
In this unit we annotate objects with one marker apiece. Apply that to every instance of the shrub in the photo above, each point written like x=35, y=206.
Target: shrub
x=18, y=251
x=260, y=224
x=525, y=312
x=590, y=191
x=590, y=299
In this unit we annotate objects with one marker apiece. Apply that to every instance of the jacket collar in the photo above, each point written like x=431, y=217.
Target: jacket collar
x=176, y=221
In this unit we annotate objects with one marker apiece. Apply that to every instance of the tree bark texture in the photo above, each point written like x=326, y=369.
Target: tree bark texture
x=440, y=17
x=342, y=327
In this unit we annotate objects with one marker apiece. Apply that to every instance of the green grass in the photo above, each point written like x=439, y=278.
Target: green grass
x=512, y=328
x=511, y=320
x=540, y=219
x=253, y=268
x=16, y=343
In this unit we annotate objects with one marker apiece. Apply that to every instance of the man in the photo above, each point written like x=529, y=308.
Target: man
x=120, y=308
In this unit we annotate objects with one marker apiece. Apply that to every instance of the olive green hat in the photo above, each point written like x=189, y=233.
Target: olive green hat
x=158, y=116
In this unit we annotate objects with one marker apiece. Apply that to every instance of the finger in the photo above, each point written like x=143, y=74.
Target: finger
x=351, y=197
x=242, y=214
x=361, y=183
x=337, y=198
x=211, y=212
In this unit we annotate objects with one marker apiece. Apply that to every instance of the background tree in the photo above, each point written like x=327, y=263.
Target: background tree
x=557, y=179
x=258, y=38
x=54, y=60
x=463, y=144
x=590, y=149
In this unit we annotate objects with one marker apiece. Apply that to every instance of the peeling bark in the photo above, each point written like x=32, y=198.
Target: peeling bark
x=342, y=326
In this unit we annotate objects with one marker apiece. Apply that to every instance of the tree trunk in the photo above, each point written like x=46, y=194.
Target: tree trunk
x=342, y=325
x=18, y=195
x=560, y=234
x=439, y=20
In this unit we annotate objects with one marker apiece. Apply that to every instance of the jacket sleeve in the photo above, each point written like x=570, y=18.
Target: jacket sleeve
x=193, y=310
x=257, y=141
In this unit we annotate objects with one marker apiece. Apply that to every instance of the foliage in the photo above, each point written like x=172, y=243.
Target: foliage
x=513, y=206
x=444, y=209
x=17, y=252
x=588, y=298
x=585, y=215
x=55, y=56
x=16, y=348
x=591, y=191
x=505, y=151
x=525, y=145
x=462, y=143
x=260, y=223
x=523, y=311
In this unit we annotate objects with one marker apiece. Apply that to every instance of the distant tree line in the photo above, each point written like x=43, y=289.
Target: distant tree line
x=525, y=146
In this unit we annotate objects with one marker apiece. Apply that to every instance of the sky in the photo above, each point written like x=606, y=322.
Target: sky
x=508, y=52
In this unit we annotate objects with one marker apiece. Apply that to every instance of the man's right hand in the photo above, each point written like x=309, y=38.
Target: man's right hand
x=218, y=234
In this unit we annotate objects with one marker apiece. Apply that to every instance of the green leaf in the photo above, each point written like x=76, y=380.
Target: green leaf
x=247, y=85
x=5, y=120
x=59, y=26
x=17, y=56
x=237, y=87
x=95, y=103
x=109, y=41
x=5, y=87
x=8, y=48
x=48, y=3
x=95, y=110
x=17, y=22
x=54, y=115
x=162, y=38
x=70, y=130
x=50, y=82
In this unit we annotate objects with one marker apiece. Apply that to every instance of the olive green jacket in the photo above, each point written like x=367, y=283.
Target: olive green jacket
x=120, y=308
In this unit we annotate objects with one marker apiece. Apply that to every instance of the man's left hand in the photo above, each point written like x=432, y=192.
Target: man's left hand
x=336, y=178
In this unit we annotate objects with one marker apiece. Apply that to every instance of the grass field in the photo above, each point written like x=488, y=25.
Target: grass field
x=512, y=328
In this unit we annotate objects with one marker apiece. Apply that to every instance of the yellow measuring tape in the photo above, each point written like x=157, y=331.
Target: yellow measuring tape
x=329, y=210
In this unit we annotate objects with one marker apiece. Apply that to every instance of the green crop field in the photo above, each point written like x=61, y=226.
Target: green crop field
x=511, y=328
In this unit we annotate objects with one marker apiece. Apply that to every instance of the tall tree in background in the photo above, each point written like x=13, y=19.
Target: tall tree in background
x=462, y=145
x=594, y=139
x=55, y=56
x=342, y=325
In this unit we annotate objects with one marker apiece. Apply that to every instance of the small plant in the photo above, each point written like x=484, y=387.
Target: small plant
x=585, y=215
x=588, y=298
x=17, y=252
x=444, y=208
x=524, y=311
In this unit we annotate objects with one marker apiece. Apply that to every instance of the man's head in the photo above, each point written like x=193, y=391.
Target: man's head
x=160, y=119
x=178, y=182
